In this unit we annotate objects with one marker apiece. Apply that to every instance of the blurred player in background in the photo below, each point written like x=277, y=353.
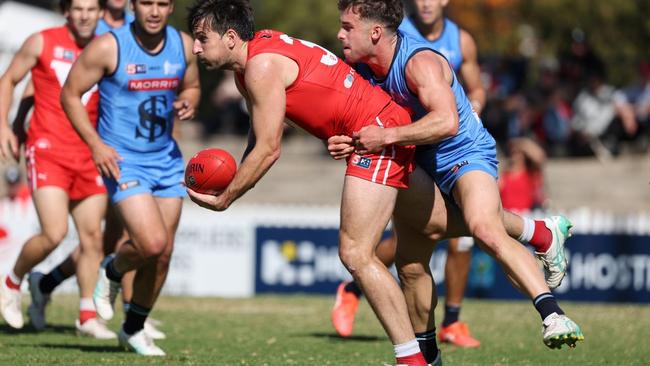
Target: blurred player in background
x=147, y=76
x=60, y=171
x=115, y=15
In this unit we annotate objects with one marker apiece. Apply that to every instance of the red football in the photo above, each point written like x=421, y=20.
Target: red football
x=210, y=171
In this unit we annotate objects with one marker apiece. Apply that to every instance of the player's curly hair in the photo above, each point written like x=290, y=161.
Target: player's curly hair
x=388, y=12
x=221, y=15
x=66, y=4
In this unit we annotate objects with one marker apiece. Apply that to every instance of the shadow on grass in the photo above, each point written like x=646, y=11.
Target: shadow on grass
x=336, y=337
x=29, y=329
x=80, y=347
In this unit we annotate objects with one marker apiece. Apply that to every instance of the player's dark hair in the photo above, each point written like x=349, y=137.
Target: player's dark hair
x=388, y=12
x=221, y=15
x=66, y=4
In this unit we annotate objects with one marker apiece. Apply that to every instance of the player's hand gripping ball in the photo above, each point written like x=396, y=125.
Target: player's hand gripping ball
x=210, y=171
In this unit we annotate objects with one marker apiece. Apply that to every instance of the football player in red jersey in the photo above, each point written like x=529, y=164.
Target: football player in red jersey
x=61, y=173
x=280, y=77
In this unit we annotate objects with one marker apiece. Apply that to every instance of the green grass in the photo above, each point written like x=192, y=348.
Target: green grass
x=296, y=330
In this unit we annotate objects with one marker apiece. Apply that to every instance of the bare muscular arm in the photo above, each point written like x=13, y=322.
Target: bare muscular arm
x=24, y=60
x=266, y=78
x=98, y=59
x=470, y=72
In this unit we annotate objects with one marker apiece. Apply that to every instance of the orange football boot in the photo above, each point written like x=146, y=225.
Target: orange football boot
x=457, y=333
x=344, y=310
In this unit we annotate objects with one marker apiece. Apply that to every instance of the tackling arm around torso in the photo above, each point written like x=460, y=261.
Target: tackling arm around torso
x=429, y=76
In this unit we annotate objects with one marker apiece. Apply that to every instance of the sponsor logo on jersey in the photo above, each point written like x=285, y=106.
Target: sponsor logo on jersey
x=153, y=84
x=132, y=69
x=63, y=54
x=459, y=165
x=349, y=80
x=129, y=184
x=170, y=68
x=361, y=161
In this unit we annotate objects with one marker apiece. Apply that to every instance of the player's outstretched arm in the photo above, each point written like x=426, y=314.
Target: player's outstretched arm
x=265, y=84
x=470, y=71
x=24, y=60
x=190, y=92
x=98, y=59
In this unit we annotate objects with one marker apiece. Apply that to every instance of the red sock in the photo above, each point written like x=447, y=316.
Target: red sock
x=412, y=360
x=542, y=237
x=12, y=285
x=85, y=315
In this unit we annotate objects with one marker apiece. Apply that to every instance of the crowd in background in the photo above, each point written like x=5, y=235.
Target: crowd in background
x=572, y=109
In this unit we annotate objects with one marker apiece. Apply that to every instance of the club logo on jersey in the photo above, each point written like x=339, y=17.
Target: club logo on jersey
x=129, y=184
x=170, y=68
x=349, y=79
x=132, y=69
x=459, y=165
x=153, y=84
x=153, y=121
x=361, y=161
x=63, y=54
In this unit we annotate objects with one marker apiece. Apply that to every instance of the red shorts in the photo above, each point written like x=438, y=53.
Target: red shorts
x=392, y=165
x=74, y=172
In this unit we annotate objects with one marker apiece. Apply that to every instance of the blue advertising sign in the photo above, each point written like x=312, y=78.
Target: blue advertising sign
x=298, y=260
x=614, y=268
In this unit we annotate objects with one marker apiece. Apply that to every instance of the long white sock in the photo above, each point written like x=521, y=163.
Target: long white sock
x=406, y=349
x=529, y=230
x=14, y=279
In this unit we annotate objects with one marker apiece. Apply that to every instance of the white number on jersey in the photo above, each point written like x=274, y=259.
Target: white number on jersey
x=328, y=58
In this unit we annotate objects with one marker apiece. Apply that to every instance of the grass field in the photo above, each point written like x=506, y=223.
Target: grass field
x=295, y=330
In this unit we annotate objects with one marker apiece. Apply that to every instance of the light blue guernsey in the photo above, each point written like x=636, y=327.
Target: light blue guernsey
x=136, y=116
x=472, y=148
x=448, y=43
x=136, y=113
x=103, y=27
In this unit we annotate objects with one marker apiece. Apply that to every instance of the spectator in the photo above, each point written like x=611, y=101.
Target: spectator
x=521, y=182
x=602, y=117
x=639, y=97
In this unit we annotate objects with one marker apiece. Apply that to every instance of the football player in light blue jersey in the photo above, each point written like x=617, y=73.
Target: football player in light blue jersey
x=428, y=24
x=147, y=77
x=115, y=16
x=457, y=153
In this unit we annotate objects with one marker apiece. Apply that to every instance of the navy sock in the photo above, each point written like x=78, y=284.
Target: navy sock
x=51, y=280
x=428, y=345
x=354, y=288
x=125, y=306
x=451, y=315
x=111, y=273
x=135, y=318
x=546, y=305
